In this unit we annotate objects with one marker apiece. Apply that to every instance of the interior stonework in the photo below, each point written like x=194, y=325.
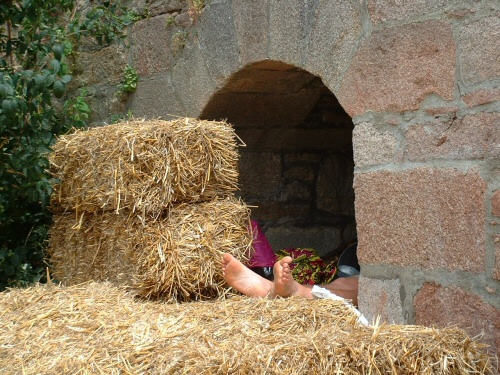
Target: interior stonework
x=296, y=166
x=420, y=84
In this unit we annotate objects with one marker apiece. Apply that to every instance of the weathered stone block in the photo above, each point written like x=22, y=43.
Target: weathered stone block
x=481, y=96
x=184, y=19
x=445, y=306
x=495, y=203
x=297, y=191
x=268, y=81
x=381, y=298
x=496, y=271
x=191, y=80
x=104, y=101
x=289, y=24
x=156, y=7
x=480, y=50
x=402, y=65
x=104, y=66
x=334, y=192
x=323, y=239
x=335, y=31
x=155, y=97
x=299, y=173
x=389, y=10
x=252, y=28
x=150, y=45
x=372, y=147
x=427, y=218
x=260, y=174
x=217, y=38
x=472, y=137
x=276, y=211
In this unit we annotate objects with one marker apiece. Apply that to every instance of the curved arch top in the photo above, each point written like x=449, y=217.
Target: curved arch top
x=391, y=69
x=318, y=37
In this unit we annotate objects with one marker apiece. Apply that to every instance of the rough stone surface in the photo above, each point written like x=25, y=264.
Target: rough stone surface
x=156, y=7
x=217, y=38
x=299, y=173
x=260, y=174
x=184, y=19
x=396, y=68
x=480, y=50
x=336, y=29
x=426, y=217
x=495, y=203
x=482, y=96
x=274, y=211
x=334, y=192
x=289, y=24
x=103, y=107
x=268, y=81
x=446, y=306
x=104, y=66
x=496, y=271
x=297, y=191
x=372, y=147
x=472, y=137
x=380, y=298
x=191, y=80
x=150, y=46
x=390, y=10
x=323, y=239
x=252, y=29
x=155, y=97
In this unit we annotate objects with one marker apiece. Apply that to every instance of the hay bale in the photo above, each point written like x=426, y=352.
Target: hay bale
x=98, y=328
x=144, y=166
x=177, y=256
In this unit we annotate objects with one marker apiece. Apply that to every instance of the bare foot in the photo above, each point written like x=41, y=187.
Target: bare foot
x=243, y=279
x=284, y=284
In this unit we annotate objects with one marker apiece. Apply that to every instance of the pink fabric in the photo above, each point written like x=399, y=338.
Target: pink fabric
x=264, y=255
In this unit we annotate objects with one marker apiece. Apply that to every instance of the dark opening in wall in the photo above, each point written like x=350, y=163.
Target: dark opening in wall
x=297, y=166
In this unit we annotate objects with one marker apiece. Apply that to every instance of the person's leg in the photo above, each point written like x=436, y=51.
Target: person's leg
x=243, y=279
x=286, y=286
x=249, y=283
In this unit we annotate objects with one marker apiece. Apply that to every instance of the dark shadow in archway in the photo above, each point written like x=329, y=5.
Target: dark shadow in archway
x=297, y=166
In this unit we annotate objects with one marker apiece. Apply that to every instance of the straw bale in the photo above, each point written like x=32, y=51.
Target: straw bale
x=177, y=256
x=97, y=328
x=144, y=166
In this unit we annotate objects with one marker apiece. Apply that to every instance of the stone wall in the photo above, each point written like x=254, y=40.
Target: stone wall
x=421, y=83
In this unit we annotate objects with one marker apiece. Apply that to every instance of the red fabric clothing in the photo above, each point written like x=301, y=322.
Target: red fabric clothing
x=263, y=255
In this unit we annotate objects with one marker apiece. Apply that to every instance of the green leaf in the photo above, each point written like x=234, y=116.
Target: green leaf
x=55, y=66
x=66, y=79
x=58, y=52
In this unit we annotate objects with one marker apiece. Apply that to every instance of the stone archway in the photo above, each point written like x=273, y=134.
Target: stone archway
x=421, y=84
x=297, y=166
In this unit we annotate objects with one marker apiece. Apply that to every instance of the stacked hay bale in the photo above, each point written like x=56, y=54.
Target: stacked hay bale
x=150, y=205
x=97, y=328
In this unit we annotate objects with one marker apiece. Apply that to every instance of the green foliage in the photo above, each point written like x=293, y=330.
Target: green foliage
x=116, y=118
x=129, y=81
x=170, y=21
x=36, y=37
